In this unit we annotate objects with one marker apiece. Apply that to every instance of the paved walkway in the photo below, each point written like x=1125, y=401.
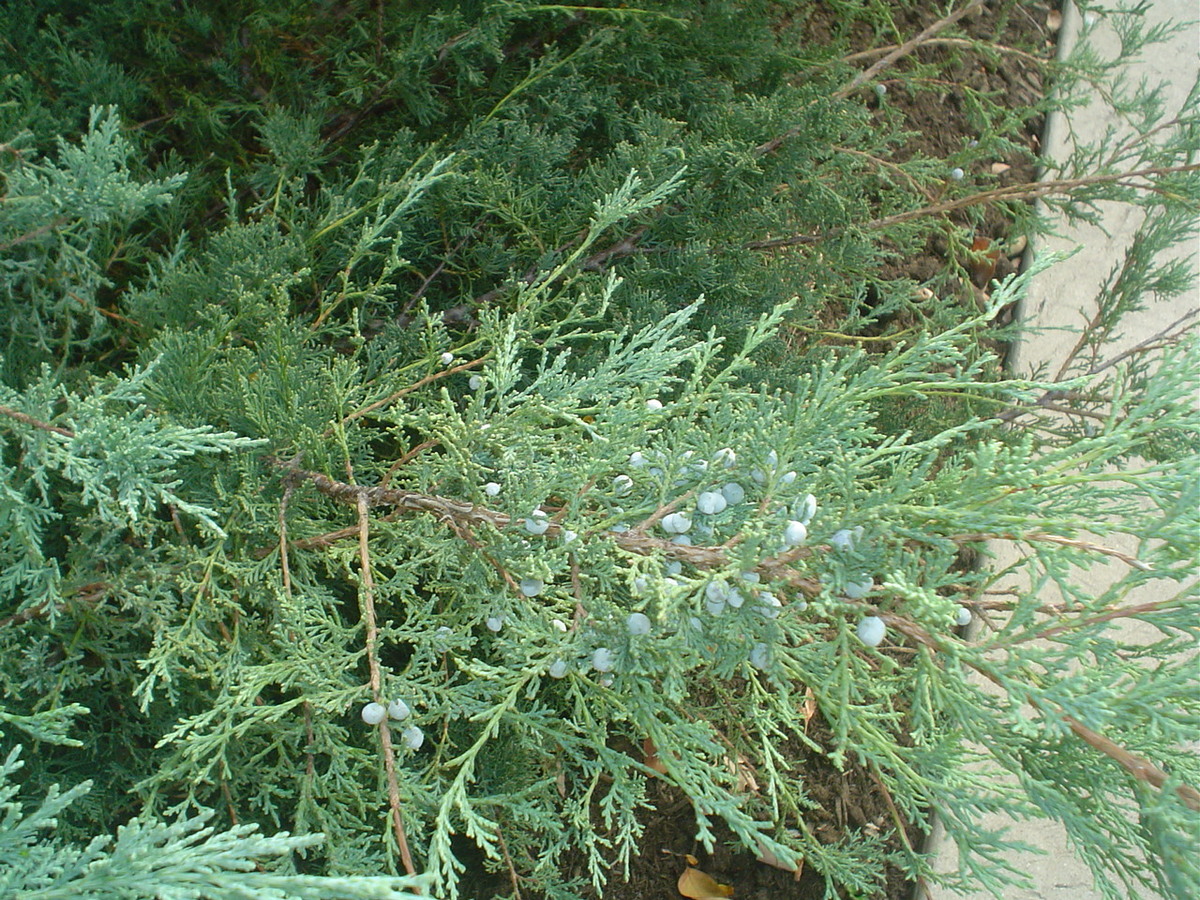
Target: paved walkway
x=1061, y=298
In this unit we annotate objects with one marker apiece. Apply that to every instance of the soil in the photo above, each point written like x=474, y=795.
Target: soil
x=849, y=802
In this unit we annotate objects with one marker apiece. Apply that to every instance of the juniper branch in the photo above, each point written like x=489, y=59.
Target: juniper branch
x=25, y=419
x=1024, y=191
x=1137, y=766
x=372, y=643
x=459, y=514
x=906, y=48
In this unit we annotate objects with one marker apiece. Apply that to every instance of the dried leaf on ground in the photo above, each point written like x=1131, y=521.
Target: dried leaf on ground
x=698, y=886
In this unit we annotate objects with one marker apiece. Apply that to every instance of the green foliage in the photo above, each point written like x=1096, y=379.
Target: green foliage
x=185, y=859
x=424, y=384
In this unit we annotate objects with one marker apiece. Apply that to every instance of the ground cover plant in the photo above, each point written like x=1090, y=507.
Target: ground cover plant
x=443, y=436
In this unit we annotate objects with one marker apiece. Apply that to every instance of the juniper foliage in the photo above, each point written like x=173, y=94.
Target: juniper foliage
x=441, y=354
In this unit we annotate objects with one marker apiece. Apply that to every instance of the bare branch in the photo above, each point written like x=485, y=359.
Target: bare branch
x=1025, y=191
x=463, y=516
x=1139, y=768
x=36, y=423
x=862, y=77
x=906, y=48
x=982, y=46
x=1040, y=536
x=372, y=639
x=392, y=398
x=1150, y=343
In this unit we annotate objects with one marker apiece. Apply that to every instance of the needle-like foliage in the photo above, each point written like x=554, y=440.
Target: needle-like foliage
x=452, y=358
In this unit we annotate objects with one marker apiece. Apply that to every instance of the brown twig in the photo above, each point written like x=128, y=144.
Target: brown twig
x=1043, y=537
x=884, y=164
x=982, y=46
x=469, y=515
x=1151, y=343
x=283, y=540
x=417, y=385
x=512, y=870
x=228, y=796
x=387, y=478
x=1024, y=191
x=35, y=423
x=1120, y=612
x=1139, y=767
x=861, y=78
x=905, y=49
x=36, y=232
x=372, y=639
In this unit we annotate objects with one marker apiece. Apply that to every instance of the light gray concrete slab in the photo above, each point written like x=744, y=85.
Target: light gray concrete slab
x=1059, y=302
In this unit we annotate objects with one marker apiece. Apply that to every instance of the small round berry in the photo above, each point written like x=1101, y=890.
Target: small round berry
x=374, y=713
x=622, y=485
x=957, y=174
x=710, y=503
x=795, y=533
x=806, y=509
x=770, y=606
x=856, y=590
x=558, y=669
x=733, y=492
x=398, y=710
x=491, y=489
x=537, y=523
x=881, y=89
x=871, y=631
x=413, y=737
x=602, y=659
x=638, y=460
x=654, y=405
x=963, y=618
x=676, y=523
x=475, y=382
x=531, y=587
x=726, y=456
x=760, y=655
x=637, y=623
x=447, y=358
x=495, y=623
x=843, y=539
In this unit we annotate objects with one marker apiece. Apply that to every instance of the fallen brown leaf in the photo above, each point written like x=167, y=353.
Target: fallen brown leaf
x=744, y=771
x=766, y=857
x=810, y=699
x=650, y=757
x=696, y=885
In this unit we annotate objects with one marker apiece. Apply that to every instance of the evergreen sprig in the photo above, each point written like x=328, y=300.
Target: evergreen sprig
x=448, y=467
